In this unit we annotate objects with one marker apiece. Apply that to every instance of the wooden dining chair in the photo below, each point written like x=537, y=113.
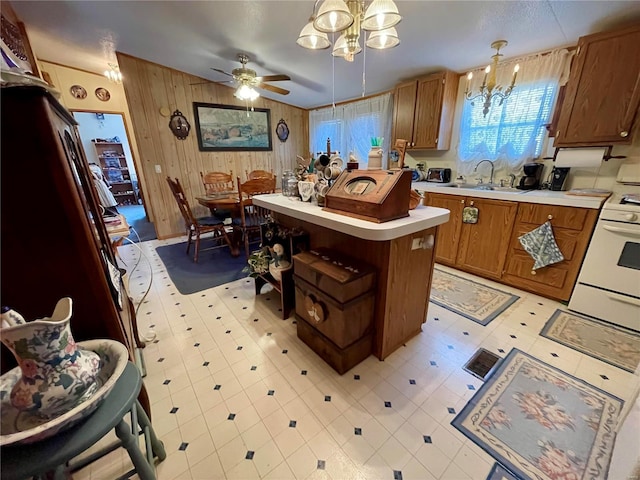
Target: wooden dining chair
x=252, y=175
x=196, y=226
x=218, y=183
x=252, y=216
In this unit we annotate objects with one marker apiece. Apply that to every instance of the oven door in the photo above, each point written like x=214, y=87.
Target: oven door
x=613, y=258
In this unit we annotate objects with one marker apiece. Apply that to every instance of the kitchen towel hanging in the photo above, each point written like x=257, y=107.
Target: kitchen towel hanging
x=541, y=245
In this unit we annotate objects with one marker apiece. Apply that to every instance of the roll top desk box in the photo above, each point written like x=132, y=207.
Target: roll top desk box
x=334, y=306
x=373, y=195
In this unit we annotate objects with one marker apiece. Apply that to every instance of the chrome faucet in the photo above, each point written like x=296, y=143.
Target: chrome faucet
x=492, y=166
x=513, y=180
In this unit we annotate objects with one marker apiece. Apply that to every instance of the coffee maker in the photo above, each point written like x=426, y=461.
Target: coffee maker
x=531, y=178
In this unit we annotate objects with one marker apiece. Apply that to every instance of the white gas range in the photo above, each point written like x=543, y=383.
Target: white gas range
x=608, y=286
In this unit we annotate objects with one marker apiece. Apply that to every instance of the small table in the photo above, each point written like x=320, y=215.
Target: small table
x=117, y=230
x=25, y=461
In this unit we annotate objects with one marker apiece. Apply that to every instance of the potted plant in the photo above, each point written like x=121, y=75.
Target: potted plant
x=258, y=262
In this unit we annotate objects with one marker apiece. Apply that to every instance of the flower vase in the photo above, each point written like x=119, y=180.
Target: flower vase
x=56, y=374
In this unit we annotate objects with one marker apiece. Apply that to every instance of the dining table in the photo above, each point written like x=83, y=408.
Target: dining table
x=229, y=201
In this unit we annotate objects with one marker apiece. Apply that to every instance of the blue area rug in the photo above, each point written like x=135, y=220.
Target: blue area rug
x=542, y=423
x=498, y=472
x=137, y=219
x=612, y=344
x=214, y=267
x=470, y=299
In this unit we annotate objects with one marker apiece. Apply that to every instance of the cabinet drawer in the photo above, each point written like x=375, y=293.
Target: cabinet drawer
x=521, y=265
x=563, y=217
x=566, y=239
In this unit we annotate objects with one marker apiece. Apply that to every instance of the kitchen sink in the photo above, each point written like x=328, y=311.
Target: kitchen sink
x=486, y=186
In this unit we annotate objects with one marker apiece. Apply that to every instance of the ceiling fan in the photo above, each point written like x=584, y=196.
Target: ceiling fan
x=246, y=76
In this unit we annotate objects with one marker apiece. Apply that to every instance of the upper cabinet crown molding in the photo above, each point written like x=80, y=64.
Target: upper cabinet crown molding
x=423, y=111
x=603, y=92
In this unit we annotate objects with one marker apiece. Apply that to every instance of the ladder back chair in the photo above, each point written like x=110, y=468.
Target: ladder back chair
x=196, y=226
x=218, y=183
x=252, y=216
x=254, y=174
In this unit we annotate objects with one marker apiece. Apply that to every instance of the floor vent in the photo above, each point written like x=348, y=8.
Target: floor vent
x=482, y=363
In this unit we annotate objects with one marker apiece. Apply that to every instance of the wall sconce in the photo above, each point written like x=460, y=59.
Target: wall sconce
x=489, y=89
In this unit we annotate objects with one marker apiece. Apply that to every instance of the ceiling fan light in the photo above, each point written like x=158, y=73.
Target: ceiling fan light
x=313, y=39
x=333, y=16
x=381, y=14
x=383, y=39
x=245, y=92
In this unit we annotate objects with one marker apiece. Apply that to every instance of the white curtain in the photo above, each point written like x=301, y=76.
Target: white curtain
x=351, y=127
x=512, y=134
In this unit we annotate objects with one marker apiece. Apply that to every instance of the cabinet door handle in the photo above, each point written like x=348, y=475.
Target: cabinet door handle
x=533, y=272
x=624, y=134
x=461, y=201
x=471, y=203
x=549, y=217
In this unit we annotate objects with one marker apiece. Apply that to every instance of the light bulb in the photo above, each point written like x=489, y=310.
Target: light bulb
x=333, y=18
x=469, y=75
x=380, y=20
x=488, y=69
x=516, y=68
x=314, y=41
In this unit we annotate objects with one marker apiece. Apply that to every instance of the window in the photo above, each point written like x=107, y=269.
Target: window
x=351, y=127
x=513, y=132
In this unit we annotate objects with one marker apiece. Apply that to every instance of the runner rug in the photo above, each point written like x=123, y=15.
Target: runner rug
x=540, y=422
x=618, y=346
x=470, y=299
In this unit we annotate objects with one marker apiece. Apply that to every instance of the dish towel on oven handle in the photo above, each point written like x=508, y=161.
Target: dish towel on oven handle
x=541, y=245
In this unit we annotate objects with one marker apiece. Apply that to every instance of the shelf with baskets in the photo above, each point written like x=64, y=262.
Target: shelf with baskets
x=113, y=162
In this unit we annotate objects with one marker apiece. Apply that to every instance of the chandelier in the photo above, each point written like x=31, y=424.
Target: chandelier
x=350, y=17
x=489, y=89
x=113, y=74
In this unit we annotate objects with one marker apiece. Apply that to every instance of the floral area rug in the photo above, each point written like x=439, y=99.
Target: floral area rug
x=470, y=299
x=542, y=423
x=498, y=472
x=618, y=346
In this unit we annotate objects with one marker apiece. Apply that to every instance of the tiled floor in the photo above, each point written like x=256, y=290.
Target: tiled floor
x=235, y=394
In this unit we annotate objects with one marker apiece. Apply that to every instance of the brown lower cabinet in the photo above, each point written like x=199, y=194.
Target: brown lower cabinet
x=490, y=248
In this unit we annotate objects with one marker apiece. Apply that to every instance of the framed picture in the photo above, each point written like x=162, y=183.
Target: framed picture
x=282, y=130
x=231, y=128
x=102, y=94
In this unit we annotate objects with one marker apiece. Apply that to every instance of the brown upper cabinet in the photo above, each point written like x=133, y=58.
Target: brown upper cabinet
x=423, y=111
x=603, y=92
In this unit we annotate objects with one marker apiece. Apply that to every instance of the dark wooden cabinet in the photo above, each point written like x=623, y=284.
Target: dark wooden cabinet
x=603, y=93
x=423, y=111
x=54, y=242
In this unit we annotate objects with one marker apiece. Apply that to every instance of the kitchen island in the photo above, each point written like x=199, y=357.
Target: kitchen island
x=401, y=250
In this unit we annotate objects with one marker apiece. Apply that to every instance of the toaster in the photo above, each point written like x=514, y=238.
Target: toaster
x=438, y=175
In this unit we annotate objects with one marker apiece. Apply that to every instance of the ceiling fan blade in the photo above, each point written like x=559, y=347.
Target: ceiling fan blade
x=221, y=71
x=211, y=81
x=272, y=88
x=273, y=78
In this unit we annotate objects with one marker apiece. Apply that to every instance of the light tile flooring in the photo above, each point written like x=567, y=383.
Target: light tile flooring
x=235, y=394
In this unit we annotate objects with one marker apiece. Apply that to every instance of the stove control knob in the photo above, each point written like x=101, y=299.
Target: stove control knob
x=632, y=217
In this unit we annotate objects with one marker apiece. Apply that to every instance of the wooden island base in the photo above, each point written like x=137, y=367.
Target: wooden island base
x=404, y=264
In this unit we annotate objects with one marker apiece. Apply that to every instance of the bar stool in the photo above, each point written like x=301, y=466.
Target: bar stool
x=52, y=454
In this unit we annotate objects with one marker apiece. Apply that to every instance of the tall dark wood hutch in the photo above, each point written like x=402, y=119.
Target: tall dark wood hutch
x=54, y=242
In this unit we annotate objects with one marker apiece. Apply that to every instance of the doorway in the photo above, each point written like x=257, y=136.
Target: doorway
x=106, y=144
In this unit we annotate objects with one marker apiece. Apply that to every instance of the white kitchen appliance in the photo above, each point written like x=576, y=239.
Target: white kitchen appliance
x=608, y=286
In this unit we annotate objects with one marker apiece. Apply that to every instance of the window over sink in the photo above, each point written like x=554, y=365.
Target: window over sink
x=513, y=132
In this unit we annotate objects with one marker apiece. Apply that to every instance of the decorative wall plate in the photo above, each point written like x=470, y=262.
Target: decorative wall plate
x=282, y=130
x=78, y=92
x=102, y=94
x=179, y=125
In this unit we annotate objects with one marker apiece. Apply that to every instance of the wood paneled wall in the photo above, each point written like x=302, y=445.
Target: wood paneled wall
x=150, y=87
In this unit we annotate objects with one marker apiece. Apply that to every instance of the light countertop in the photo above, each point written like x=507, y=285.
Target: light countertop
x=546, y=197
x=421, y=218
